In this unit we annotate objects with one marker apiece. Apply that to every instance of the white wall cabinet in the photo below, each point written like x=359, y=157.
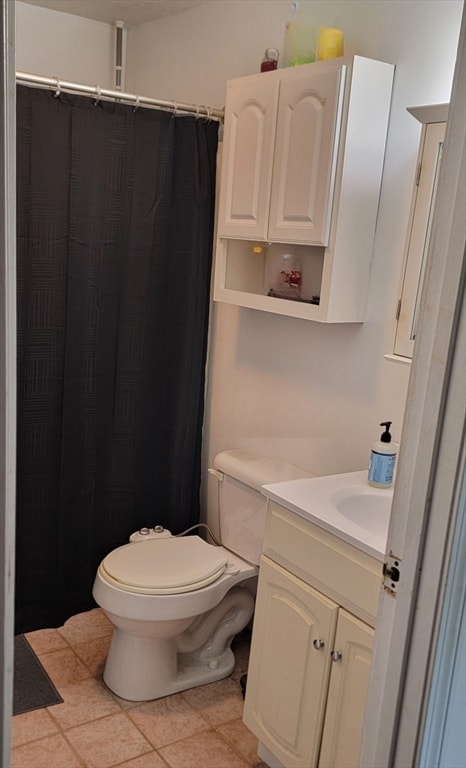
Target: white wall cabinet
x=301, y=172
x=311, y=646
x=433, y=119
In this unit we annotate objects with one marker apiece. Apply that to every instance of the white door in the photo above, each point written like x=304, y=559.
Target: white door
x=444, y=740
x=427, y=491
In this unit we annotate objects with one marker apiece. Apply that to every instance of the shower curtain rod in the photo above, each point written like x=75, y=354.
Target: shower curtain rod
x=25, y=78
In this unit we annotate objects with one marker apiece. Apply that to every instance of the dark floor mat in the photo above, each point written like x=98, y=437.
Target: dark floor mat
x=32, y=687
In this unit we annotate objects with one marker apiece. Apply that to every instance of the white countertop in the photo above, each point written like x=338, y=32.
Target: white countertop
x=345, y=505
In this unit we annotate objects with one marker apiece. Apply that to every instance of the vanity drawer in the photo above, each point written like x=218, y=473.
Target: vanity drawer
x=342, y=572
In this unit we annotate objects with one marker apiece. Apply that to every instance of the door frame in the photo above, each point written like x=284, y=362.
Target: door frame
x=7, y=366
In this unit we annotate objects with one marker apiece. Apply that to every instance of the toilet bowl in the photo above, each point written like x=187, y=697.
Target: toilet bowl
x=177, y=602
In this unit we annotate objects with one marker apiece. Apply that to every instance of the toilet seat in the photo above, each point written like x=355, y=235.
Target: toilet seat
x=164, y=566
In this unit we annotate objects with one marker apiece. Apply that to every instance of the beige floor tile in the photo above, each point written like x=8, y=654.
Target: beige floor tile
x=86, y=626
x=108, y=742
x=167, y=720
x=124, y=703
x=100, y=730
x=217, y=702
x=204, y=750
x=51, y=752
x=149, y=760
x=237, y=674
x=93, y=653
x=83, y=702
x=31, y=726
x=45, y=641
x=241, y=739
x=64, y=667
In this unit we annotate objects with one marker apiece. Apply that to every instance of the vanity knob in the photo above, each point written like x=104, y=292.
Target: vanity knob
x=335, y=655
x=318, y=644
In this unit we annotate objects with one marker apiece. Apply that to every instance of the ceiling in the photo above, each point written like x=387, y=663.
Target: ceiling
x=131, y=12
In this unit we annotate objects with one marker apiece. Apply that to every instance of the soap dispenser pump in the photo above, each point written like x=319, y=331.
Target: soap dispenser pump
x=382, y=460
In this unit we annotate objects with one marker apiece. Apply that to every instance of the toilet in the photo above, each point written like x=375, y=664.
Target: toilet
x=177, y=602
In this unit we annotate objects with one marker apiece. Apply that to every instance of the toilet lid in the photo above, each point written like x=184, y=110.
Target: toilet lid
x=164, y=566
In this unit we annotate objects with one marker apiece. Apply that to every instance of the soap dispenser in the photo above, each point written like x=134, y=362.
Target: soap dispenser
x=382, y=461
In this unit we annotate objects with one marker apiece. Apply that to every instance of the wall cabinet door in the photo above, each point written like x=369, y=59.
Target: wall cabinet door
x=247, y=158
x=294, y=626
x=277, y=185
x=349, y=679
x=308, y=128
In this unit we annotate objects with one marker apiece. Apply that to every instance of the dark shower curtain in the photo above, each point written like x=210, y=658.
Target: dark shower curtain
x=114, y=248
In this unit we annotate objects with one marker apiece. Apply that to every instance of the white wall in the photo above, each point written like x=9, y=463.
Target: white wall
x=304, y=392
x=65, y=46
x=190, y=55
x=310, y=394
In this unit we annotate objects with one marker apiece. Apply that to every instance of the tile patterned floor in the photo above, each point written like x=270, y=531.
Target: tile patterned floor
x=93, y=728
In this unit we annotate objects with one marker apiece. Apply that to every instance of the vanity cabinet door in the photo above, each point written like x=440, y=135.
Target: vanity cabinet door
x=247, y=157
x=306, y=145
x=349, y=680
x=294, y=627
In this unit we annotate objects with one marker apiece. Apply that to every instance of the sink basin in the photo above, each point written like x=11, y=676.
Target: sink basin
x=344, y=505
x=362, y=507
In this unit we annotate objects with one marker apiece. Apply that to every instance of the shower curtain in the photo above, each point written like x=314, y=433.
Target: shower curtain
x=114, y=247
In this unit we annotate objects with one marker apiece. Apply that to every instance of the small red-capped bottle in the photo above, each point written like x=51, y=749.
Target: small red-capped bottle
x=270, y=60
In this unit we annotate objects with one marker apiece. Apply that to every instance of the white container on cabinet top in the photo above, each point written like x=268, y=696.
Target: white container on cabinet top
x=302, y=164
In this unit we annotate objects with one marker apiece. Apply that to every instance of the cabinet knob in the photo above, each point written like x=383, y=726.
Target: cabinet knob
x=335, y=655
x=318, y=644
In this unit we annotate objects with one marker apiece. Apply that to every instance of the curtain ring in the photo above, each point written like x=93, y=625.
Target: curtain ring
x=136, y=106
x=209, y=114
x=58, y=91
x=99, y=91
x=175, y=109
x=197, y=111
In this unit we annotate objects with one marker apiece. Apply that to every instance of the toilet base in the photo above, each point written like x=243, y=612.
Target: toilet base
x=151, y=658
x=157, y=670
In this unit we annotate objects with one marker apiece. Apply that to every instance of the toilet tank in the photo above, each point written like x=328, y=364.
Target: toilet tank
x=242, y=506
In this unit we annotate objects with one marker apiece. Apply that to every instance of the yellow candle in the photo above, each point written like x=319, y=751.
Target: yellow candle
x=330, y=43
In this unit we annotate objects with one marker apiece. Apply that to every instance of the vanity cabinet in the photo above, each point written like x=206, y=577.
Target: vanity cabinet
x=301, y=171
x=311, y=645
